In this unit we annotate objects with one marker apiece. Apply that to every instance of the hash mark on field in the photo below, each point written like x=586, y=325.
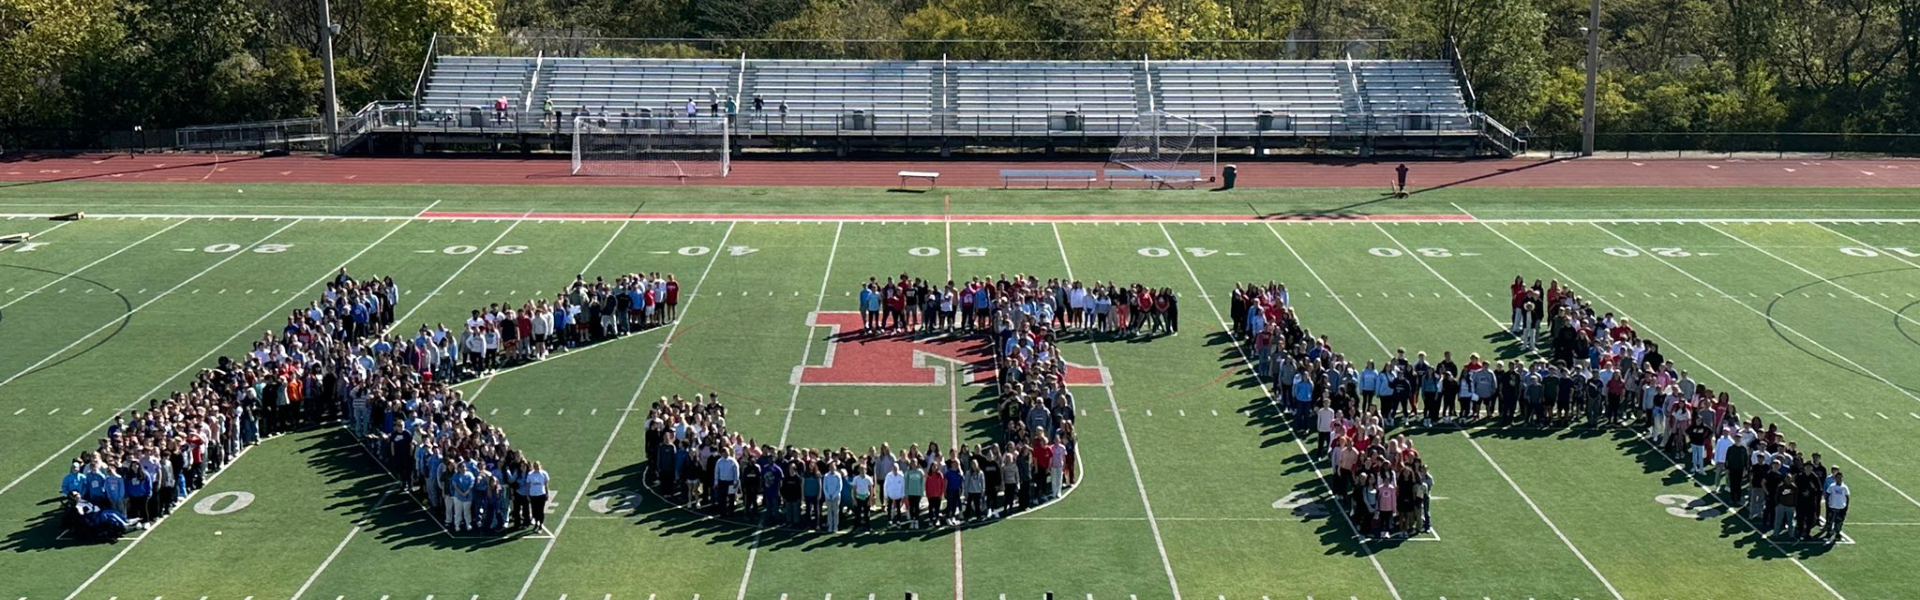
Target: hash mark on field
x=55, y=410
x=560, y=412
x=756, y=412
x=1883, y=415
x=1814, y=414
x=17, y=412
x=90, y=411
x=1848, y=414
x=1149, y=412
x=823, y=412
x=527, y=412
x=495, y=411
x=1183, y=412
x=856, y=412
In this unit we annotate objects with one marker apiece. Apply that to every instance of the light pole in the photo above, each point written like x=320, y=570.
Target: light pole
x=329, y=105
x=1593, y=75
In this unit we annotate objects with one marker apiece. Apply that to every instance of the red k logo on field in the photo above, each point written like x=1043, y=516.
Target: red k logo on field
x=853, y=358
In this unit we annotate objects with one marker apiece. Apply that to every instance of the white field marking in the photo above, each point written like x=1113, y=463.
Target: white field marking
x=1483, y=453
x=135, y=542
x=1117, y=219
x=88, y=265
x=183, y=370
x=603, y=247
x=1743, y=390
x=89, y=411
x=576, y=351
x=156, y=298
x=793, y=399
x=953, y=441
x=1853, y=524
x=402, y=319
x=1675, y=467
x=1828, y=280
x=1120, y=424
x=1549, y=522
x=587, y=478
x=1769, y=318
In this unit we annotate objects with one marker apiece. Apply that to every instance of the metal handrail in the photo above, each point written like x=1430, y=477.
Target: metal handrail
x=426, y=63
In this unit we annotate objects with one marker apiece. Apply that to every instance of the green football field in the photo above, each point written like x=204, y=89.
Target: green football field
x=1799, y=301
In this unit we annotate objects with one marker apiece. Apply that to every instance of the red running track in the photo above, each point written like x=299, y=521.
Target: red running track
x=969, y=172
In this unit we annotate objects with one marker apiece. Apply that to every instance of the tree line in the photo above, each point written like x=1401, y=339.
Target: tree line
x=1669, y=65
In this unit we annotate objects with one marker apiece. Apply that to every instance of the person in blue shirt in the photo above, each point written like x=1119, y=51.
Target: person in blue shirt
x=869, y=308
x=139, y=492
x=96, y=485
x=75, y=481
x=833, y=488
x=460, y=506
x=115, y=488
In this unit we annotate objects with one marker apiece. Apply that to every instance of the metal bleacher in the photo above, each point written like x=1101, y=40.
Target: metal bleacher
x=614, y=84
x=1020, y=96
x=890, y=92
x=1304, y=95
x=1270, y=103
x=469, y=81
x=1411, y=95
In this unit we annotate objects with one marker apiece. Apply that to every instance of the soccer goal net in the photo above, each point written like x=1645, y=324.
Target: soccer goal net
x=1167, y=149
x=647, y=146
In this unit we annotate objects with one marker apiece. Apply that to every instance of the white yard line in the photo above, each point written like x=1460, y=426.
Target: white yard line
x=343, y=543
x=587, y=478
x=1861, y=243
x=156, y=298
x=1826, y=279
x=1642, y=325
x=1120, y=424
x=91, y=264
x=1863, y=369
x=216, y=348
x=609, y=244
x=1260, y=380
x=1476, y=443
x=401, y=321
x=953, y=438
x=793, y=400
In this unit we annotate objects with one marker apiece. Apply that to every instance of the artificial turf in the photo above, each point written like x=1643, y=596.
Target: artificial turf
x=1194, y=488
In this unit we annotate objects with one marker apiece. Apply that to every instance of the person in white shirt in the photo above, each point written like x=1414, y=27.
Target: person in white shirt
x=1838, y=498
x=1720, y=447
x=1323, y=423
x=895, y=488
x=726, y=473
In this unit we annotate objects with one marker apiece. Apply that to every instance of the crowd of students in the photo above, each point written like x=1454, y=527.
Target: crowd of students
x=1620, y=378
x=151, y=459
x=912, y=304
x=694, y=458
x=434, y=440
x=1381, y=481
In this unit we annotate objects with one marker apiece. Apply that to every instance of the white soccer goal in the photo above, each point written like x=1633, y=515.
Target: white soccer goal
x=1166, y=149
x=648, y=146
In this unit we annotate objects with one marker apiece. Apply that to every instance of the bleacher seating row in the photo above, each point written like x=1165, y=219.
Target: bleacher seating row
x=1014, y=96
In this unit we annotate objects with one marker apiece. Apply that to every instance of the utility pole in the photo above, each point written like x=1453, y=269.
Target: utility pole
x=330, y=105
x=1592, y=81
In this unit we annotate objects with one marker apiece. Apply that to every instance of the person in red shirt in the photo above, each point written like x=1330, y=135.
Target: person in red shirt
x=673, y=298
